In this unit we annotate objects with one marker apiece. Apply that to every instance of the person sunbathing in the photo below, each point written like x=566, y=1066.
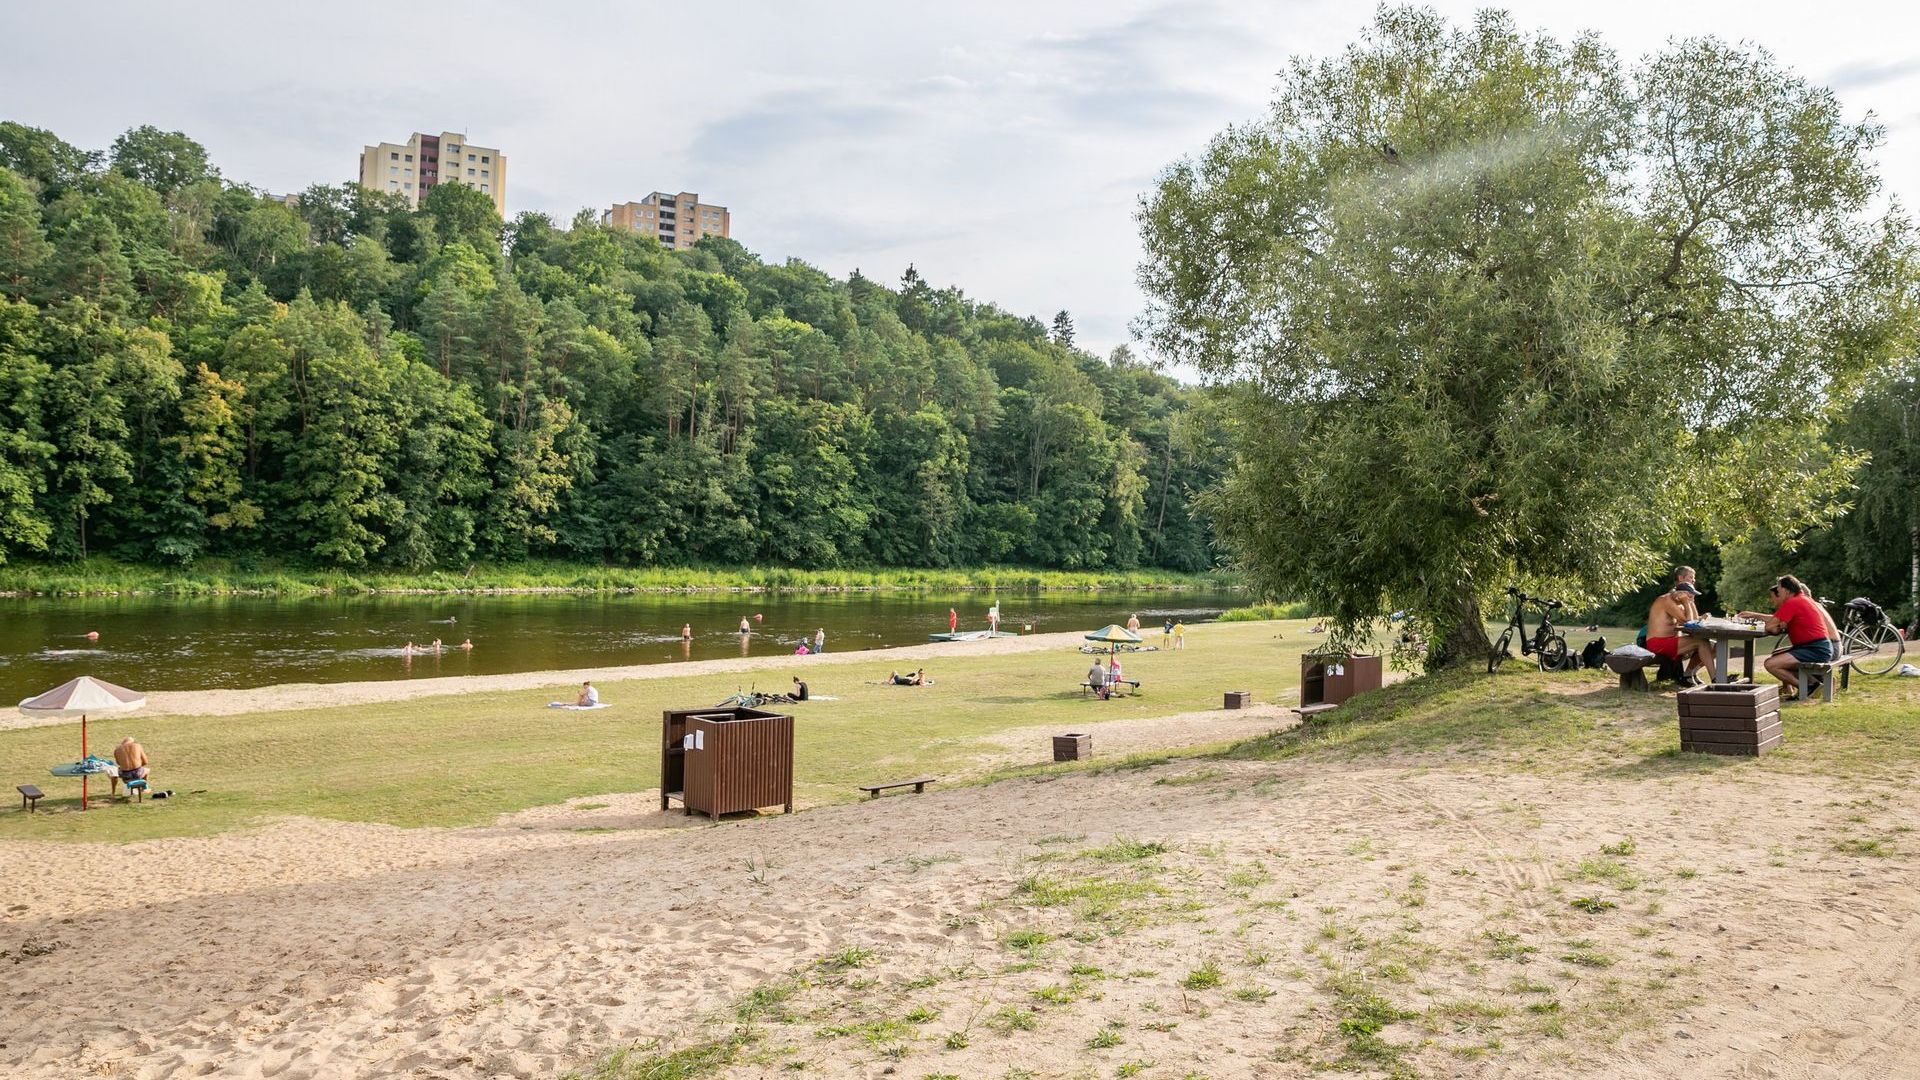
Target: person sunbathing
x=915, y=678
x=588, y=695
x=131, y=759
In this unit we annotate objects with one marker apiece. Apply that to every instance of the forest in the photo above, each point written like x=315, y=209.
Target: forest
x=191, y=368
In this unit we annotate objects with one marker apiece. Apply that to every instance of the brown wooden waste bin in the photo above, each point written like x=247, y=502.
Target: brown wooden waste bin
x=723, y=761
x=1332, y=678
x=1730, y=718
x=1239, y=699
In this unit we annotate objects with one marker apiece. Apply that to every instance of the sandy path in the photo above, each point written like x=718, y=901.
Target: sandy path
x=228, y=702
x=314, y=949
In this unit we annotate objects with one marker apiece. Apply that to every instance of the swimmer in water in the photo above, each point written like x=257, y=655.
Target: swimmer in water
x=467, y=645
x=757, y=617
x=745, y=626
x=93, y=635
x=408, y=650
x=436, y=646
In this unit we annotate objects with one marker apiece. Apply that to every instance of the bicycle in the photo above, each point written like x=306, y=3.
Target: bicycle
x=1867, y=637
x=1546, y=644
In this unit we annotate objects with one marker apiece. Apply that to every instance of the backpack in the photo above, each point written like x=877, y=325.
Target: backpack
x=1595, y=654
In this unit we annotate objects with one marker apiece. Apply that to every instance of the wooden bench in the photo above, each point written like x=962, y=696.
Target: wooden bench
x=873, y=790
x=1132, y=685
x=30, y=797
x=1633, y=674
x=1308, y=712
x=1844, y=666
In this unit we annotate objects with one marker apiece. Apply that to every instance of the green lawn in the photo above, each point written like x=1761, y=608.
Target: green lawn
x=463, y=760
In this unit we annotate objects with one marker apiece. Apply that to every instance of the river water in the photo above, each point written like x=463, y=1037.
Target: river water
x=164, y=644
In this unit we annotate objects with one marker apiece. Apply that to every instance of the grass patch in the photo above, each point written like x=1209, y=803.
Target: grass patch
x=496, y=753
x=1124, y=850
x=1205, y=977
x=1591, y=905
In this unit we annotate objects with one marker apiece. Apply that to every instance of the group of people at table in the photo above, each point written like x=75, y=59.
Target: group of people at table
x=1812, y=637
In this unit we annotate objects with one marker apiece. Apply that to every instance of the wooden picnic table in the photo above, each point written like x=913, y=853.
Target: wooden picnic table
x=1723, y=639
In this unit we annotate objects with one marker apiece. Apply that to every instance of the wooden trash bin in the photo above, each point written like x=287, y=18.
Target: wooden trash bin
x=1075, y=747
x=1239, y=699
x=1332, y=678
x=1730, y=718
x=723, y=761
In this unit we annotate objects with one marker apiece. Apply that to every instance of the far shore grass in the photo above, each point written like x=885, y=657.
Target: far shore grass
x=256, y=577
x=464, y=760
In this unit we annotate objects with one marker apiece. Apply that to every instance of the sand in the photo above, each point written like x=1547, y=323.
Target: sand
x=1750, y=948
x=283, y=697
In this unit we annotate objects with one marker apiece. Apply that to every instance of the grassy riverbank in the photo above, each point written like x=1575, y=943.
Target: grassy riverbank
x=224, y=577
x=465, y=759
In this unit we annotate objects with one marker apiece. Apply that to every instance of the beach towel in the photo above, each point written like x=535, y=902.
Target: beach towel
x=577, y=708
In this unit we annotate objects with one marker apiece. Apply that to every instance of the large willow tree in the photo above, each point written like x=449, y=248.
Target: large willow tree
x=1497, y=309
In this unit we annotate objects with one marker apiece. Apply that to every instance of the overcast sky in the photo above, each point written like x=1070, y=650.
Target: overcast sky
x=998, y=146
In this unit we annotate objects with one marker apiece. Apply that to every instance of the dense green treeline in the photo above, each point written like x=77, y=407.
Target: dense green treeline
x=189, y=368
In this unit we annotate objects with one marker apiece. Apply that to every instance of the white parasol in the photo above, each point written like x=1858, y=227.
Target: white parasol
x=80, y=697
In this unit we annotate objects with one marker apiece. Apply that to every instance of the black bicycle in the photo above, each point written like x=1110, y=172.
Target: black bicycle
x=1546, y=645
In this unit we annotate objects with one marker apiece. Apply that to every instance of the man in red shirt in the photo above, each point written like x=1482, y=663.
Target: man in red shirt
x=1797, y=616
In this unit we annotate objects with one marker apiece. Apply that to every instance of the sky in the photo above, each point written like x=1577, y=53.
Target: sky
x=1001, y=147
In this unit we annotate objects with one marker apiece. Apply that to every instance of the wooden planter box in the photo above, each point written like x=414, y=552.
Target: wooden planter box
x=1239, y=699
x=1072, y=747
x=1740, y=719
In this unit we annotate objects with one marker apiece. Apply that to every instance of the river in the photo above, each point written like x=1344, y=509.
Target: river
x=152, y=643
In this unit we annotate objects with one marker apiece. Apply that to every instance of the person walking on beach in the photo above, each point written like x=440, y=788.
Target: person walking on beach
x=820, y=640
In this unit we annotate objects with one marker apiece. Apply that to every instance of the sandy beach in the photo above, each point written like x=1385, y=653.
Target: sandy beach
x=217, y=701
x=312, y=949
x=1211, y=917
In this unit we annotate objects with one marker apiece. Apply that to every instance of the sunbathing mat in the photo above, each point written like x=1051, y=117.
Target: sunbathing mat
x=578, y=708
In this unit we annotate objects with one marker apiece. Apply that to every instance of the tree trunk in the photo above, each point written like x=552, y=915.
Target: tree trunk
x=1463, y=641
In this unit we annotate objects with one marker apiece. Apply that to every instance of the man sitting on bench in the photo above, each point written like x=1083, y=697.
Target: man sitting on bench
x=1670, y=611
x=1805, y=625
x=1097, y=680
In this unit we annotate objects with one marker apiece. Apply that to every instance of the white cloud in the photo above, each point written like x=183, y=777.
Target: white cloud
x=998, y=145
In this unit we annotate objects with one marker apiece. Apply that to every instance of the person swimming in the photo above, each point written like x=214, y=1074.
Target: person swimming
x=467, y=645
x=745, y=626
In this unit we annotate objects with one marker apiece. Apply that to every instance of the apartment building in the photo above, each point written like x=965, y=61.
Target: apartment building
x=675, y=220
x=416, y=166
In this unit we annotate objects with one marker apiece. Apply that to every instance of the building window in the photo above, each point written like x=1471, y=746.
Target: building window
x=453, y=148
x=409, y=157
x=395, y=155
x=484, y=172
x=393, y=170
x=486, y=159
x=484, y=187
x=469, y=172
x=393, y=184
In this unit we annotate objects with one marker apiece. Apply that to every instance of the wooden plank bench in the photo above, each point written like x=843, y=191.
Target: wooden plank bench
x=30, y=797
x=1132, y=685
x=1844, y=666
x=1308, y=712
x=873, y=790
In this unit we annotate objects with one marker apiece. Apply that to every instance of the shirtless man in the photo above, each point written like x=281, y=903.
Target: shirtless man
x=131, y=759
x=1671, y=610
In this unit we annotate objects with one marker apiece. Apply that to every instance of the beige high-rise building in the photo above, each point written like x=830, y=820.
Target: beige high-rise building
x=416, y=166
x=675, y=220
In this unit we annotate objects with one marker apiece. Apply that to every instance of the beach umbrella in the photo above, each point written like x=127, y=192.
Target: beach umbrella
x=80, y=697
x=1113, y=635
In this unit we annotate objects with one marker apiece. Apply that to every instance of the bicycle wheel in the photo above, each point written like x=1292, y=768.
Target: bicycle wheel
x=1499, y=652
x=1875, y=649
x=1553, y=654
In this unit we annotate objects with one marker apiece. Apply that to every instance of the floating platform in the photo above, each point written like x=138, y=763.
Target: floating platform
x=971, y=635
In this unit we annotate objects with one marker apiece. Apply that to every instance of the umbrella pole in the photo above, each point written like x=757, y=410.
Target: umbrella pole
x=83, y=757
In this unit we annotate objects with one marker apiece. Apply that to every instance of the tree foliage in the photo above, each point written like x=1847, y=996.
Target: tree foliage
x=187, y=368
x=1497, y=308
